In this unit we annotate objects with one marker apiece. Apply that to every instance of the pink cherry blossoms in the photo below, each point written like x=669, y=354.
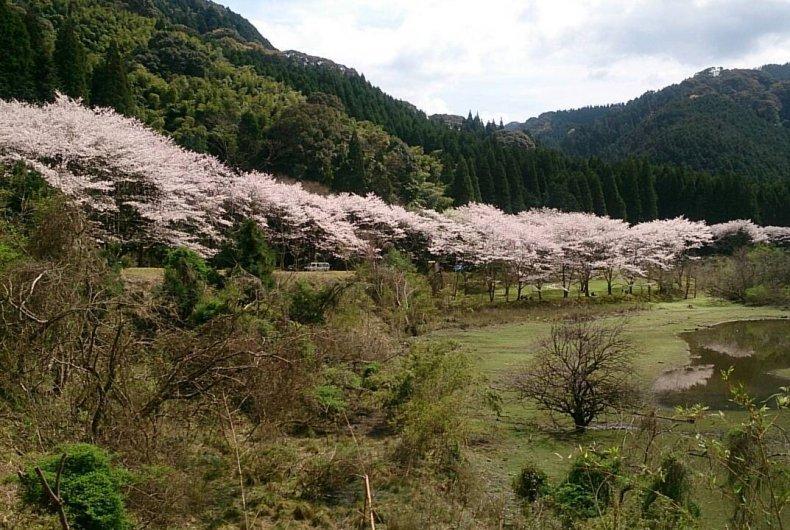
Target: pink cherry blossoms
x=141, y=187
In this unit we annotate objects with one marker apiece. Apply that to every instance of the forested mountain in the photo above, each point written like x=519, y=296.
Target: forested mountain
x=718, y=120
x=206, y=77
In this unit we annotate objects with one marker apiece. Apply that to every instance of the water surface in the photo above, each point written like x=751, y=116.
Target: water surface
x=757, y=350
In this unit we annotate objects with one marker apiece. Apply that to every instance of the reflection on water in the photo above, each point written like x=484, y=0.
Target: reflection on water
x=757, y=350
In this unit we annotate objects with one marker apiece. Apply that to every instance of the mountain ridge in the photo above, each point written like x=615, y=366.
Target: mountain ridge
x=749, y=110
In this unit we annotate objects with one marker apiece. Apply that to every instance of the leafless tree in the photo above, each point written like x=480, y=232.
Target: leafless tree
x=582, y=369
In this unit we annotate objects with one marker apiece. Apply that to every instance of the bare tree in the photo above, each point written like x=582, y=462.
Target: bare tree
x=582, y=369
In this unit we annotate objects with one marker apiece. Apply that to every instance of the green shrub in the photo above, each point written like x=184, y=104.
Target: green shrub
x=530, y=483
x=90, y=487
x=8, y=254
x=273, y=463
x=587, y=490
x=330, y=399
x=573, y=501
x=207, y=309
x=247, y=249
x=673, y=484
x=309, y=305
x=428, y=398
x=766, y=295
x=20, y=190
x=185, y=279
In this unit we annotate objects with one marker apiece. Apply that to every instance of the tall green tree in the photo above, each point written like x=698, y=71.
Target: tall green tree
x=352, y=176
x=43, y=67
x=484, y=178
x=629, y=188
x=462, y=189
x=71, y=59
x=516, y=182
x=110, y=86
x=596, y=190
x=615, y=205
x=647, y=193
x=16, y=57
x=249, y=141
x=501, y=187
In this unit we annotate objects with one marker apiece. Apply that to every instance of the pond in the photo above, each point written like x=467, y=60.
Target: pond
x=757, y=350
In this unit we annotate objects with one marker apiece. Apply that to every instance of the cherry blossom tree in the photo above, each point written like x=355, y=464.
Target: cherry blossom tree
x=142, y=189
x=667, y=246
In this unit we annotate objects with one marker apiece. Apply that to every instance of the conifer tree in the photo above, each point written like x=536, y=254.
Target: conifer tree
x=629, y=189
x=71, y=59
x=110, y=87
x=462, y=189
x=43, y=67
x=517, y=201
x=501, y=187
x=16, y=58
x=584, y=195
x=615, y=205
x=532, y=184
x=475, y=182
x=352, y=176
x=647, y=193
x=484, y=178
x=596, y=190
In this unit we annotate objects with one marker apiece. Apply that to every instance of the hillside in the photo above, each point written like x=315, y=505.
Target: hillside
x=718, y=120
x=203, y=75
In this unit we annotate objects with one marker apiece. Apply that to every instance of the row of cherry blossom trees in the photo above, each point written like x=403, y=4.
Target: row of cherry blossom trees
x=143, y=189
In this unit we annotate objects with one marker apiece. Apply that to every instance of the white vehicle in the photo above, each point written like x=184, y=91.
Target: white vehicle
x=318, y=266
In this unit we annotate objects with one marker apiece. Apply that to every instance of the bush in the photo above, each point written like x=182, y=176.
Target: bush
x=765, y=295
x=20, y=190
x=402, y=295
x=530, y=483
x=185, y=279
x=326, y=476
x=428, y=397
x=90, y=487
x=273, y=463
x=206, y=309
x=673, y=484
x=587, y=490
x=757, y=276
x=309, y=305
x=330, y=399
x=247, y=249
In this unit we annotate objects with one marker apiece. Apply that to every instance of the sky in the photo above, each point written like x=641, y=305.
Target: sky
x=513, y=59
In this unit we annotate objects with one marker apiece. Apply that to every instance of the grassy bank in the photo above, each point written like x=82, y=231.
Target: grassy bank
x=502, y=444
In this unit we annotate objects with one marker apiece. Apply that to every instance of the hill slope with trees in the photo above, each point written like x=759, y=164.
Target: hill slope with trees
x=718, y=120
x=203, y=75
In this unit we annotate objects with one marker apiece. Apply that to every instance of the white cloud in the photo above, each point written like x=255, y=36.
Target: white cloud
x=514, y=59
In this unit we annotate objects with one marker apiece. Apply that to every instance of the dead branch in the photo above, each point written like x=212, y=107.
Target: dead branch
x=54, y=496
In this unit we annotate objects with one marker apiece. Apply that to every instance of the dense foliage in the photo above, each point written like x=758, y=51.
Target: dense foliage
x=728, y=122
x=91, y=487
x=205, y=76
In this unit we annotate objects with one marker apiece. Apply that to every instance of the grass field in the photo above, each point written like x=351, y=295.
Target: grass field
x=153, y=276
x=501, y=445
